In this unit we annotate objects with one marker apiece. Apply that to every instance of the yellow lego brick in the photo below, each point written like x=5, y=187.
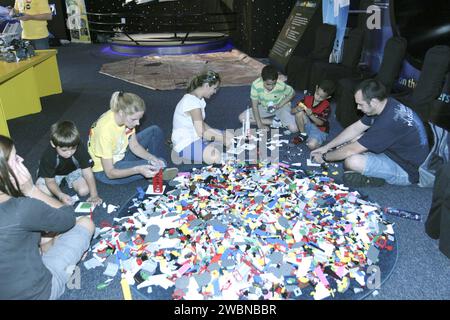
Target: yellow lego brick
x=184, y=228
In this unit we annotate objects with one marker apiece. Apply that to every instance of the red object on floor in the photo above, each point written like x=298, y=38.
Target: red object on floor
x=297, y=140
x=158, y=182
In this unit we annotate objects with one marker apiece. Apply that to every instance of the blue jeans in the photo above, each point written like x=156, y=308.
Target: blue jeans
x=194, y=151
x=150, y=139
x=381, y=166
x=314, y=132
x=40, y=44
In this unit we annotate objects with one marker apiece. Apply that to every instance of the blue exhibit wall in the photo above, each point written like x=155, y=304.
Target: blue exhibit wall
x=329, y=9
x=372, y=55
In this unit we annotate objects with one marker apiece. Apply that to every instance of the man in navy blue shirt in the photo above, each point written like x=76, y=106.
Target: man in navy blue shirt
x=388, y=144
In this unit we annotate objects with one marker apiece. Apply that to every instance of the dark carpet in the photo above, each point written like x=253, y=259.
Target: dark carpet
x=421, y=271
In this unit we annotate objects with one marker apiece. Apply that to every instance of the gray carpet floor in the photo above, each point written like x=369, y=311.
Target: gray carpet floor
x=421, y=271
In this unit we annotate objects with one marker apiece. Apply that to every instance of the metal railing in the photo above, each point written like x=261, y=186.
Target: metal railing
x=180, y=25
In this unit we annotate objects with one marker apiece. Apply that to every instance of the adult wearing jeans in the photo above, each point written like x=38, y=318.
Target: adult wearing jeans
x=388, y=144
x=33, y=16
x=120, y=155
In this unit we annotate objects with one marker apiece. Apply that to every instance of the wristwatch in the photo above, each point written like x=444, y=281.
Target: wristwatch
x=323, y=157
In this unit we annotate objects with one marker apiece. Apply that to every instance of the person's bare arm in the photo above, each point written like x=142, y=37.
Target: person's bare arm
x=40, y=17
x=147, y=171
x=205, y=131
x=314, y=118
x=139, y=150
x=341, y=153
x=29, y=189
x=202, y=129
x=88, y=175
x=257, y=116
x=56, y=191
x=349, y=134
x=285, y=100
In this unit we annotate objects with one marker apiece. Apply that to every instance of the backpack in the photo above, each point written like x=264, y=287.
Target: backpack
x=439, y=154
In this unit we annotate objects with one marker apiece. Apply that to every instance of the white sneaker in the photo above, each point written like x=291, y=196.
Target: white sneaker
x=276, y=123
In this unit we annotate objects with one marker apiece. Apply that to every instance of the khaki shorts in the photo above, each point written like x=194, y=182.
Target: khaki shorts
x=284, y=114
x=70, y=179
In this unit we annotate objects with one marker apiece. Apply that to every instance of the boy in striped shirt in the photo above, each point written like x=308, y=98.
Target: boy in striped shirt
x=270, y=98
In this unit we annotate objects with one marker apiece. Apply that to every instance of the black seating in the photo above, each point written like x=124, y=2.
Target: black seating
x=347, y=68
x=437, y=225
x=393, y=54
x=299, y=67
x=363, y=16
x=440, y=113
x=431, y=81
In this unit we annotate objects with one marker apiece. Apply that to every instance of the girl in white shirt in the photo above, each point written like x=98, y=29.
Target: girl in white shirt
x=191, y=136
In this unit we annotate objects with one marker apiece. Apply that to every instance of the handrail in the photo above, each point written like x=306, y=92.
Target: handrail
x=159, y=39
x=184, y=23
x=160, y=15
x=161, y=24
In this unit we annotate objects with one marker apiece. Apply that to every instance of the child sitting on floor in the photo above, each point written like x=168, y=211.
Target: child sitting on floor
x=311, y=115
x=121, y=154
x=191, y=136
x=67, y=158
x=270, y=98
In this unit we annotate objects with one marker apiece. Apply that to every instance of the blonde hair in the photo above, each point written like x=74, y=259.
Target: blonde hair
x=210, y=77
x=127, y=102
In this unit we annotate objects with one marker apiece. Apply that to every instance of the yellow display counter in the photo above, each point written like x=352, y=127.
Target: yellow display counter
x=23, y=83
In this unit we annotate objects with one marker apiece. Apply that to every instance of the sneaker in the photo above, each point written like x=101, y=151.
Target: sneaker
x=276, y=123
x=297, y=140
x=169, y=143
x=356, y=180
x=169, y=173
x=300, y=138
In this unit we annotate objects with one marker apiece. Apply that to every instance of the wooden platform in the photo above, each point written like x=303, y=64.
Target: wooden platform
x=175, y=71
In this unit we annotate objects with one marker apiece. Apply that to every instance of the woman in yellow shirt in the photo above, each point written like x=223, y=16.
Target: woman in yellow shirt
x=120, y=155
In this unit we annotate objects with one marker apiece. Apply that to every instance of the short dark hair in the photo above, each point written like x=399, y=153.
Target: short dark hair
x=64, y=134
x=269, y=72
x=327, y=86
x=372, y=89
